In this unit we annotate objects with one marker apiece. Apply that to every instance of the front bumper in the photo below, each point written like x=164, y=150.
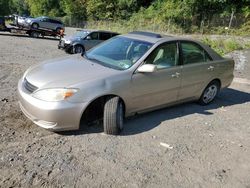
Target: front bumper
x=64, y=46
x=55, y=116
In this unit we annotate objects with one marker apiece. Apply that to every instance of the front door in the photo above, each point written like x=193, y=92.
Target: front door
x=159, y=87
x=91, y=40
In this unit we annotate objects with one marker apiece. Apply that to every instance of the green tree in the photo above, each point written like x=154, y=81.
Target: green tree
x=4, y=7
x=45, y=7
x=74, y=9
x=20, y=7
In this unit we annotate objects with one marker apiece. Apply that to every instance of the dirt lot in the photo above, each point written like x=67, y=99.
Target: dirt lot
x=208, y=146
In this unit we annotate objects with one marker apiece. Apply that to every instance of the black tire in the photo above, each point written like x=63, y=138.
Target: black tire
x=209, y=93
x=35, y=25
x=78, y=49
x=34, y=34
x=113, y=116
x=69, y=50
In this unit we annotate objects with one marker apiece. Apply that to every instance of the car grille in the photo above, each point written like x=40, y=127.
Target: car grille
x=27, y=85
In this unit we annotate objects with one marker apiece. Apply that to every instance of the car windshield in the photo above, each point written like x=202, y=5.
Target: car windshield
x=119, y=52
x=81, y=34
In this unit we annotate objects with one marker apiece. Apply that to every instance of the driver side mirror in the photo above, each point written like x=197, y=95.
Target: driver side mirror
x=146, y=68
x=88, y=38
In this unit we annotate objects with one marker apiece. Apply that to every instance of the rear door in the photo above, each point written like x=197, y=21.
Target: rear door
x=197, y=69
x=53, y=24
x=160, y=87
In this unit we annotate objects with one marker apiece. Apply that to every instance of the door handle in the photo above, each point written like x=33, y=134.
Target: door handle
x=210, y=68
x=176, y=75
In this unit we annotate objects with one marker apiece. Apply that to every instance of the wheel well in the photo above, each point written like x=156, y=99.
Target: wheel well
x=77, y=44
x=94, y=111
x=216, y=80
x=35, y=23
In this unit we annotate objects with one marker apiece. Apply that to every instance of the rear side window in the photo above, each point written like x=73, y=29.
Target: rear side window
x=105, y=36
x=55, y=21
x=193, y=53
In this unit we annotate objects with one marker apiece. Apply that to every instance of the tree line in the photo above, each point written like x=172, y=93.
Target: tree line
x=192, y=11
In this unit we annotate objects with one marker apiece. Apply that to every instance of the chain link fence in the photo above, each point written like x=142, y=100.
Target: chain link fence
x=215, y=23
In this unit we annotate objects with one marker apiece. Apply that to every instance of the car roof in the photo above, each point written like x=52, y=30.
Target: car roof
x=155, y=38
x=147, y=36
x=95, y=30
x=48, y=18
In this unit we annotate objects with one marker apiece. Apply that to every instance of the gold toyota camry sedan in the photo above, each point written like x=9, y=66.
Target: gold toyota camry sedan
x=128, y=74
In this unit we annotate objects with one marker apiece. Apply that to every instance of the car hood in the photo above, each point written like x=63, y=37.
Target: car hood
x=66, y=72
x=71, y=38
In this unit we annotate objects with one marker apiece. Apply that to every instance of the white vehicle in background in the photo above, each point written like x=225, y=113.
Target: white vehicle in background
x=19, y=21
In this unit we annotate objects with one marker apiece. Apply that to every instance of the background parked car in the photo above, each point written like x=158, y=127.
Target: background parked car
x=83, y=40
x=45, y=23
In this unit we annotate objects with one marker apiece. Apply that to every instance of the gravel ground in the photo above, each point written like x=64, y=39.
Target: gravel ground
x=182, y=146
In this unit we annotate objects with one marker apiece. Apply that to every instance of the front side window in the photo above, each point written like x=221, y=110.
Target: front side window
x=45, y=20
x=119, y=52
x=193, y=53
x=93, y=36
x=164, y=56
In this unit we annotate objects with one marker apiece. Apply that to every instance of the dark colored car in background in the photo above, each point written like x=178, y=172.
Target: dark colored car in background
x=83, y=40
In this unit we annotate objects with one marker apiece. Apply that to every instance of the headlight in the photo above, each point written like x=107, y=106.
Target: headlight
x=67, y=41
x=55, y=94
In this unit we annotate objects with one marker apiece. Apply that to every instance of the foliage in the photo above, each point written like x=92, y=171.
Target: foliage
x=45, y=7
x=4, y=7
x=224, y=46
x=182, y=16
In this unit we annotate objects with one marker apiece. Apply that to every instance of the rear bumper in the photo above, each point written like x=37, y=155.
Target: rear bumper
x=55, y=116
x=227, y=81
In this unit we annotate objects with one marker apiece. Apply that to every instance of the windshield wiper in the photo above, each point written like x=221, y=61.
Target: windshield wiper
x=100, y=62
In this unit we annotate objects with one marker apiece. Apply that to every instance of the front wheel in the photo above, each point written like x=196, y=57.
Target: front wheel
x=210, y=92
x=78, y=49
x=35, y=26
x=113, y=116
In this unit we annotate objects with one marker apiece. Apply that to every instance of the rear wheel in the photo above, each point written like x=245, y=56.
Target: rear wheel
x=113, y=116
x=35, y=25
x=78, y=49
x=58, y=30
x=210, y=92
